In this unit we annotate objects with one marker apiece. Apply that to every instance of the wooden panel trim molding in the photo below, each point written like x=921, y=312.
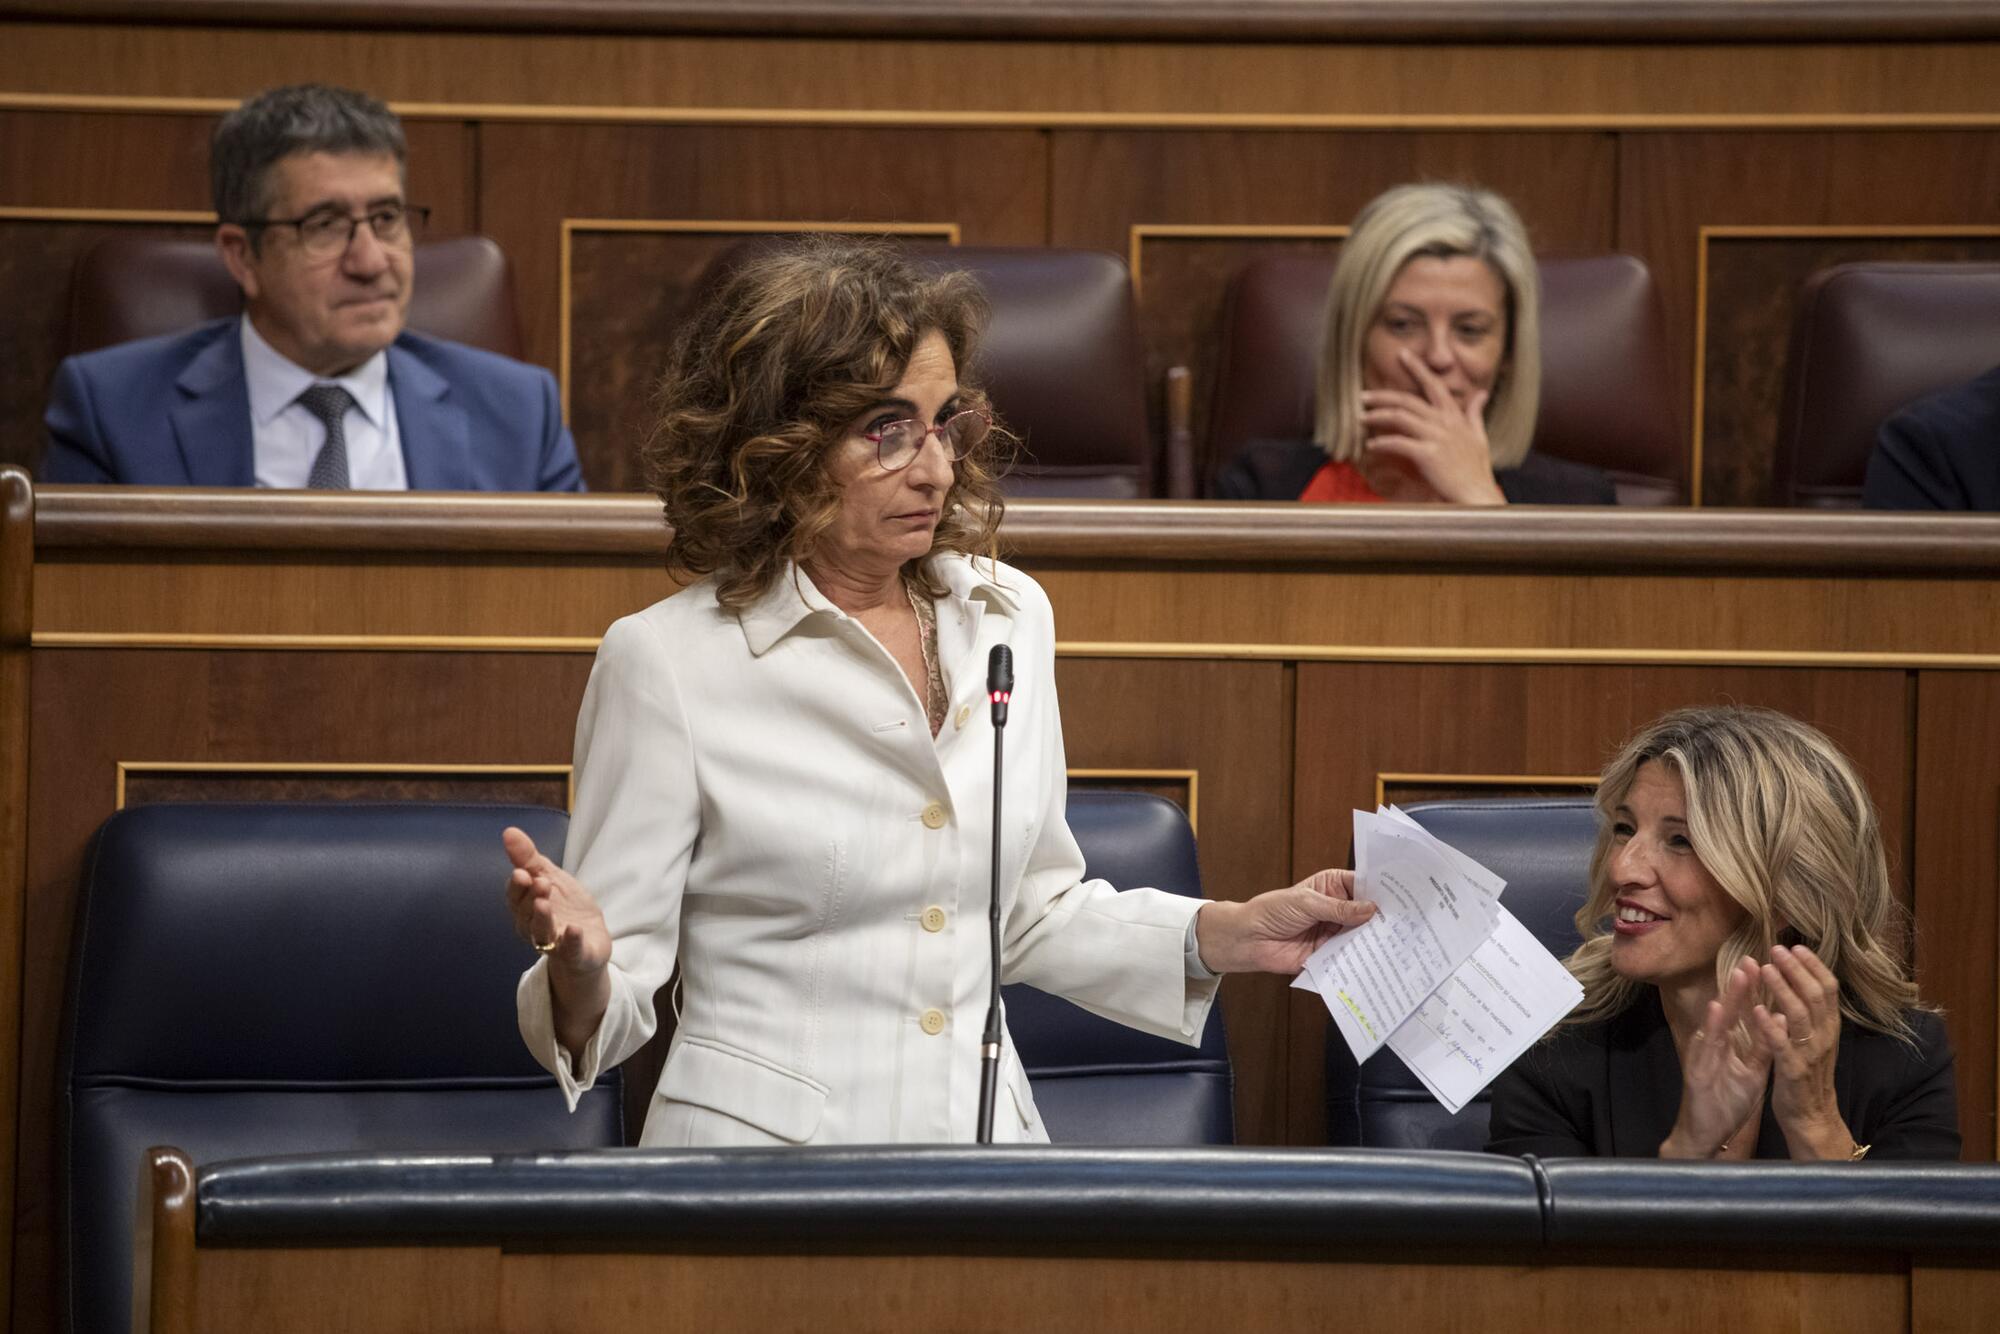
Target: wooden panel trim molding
x=1494, y=21
x=1784, y=231
x=948, y=232
x=1585, y=783
x=920, y=118
x=1191, y=777
x=127, y=768
x=1141, y=232
x=1218, y=651
x=1568, y=539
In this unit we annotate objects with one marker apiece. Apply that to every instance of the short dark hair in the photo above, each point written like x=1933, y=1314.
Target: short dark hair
x=773, y=365
x=300, y=118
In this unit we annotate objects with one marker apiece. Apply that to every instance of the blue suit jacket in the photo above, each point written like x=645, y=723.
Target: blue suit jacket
x=175, y=411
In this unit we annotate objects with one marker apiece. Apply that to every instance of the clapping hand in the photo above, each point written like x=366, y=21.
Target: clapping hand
x=1723, y=1073
x=1799, y=1027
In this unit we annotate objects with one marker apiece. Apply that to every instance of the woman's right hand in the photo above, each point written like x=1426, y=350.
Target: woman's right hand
x=1723, y=1073
x=548, y=905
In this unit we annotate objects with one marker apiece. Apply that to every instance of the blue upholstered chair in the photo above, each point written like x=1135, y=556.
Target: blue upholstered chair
x=1097, y=1082
x=1541, y=848
x=251, y=980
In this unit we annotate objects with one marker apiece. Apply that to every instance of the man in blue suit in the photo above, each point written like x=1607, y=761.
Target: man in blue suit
x=317, y=383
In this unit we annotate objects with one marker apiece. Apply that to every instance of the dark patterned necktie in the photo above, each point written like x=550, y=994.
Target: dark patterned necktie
x=329, y=403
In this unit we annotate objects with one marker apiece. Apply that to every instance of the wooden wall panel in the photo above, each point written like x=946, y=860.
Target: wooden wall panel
x=1443, y=79
x=1751, y=293
x=628, y=291
x=990, y=183
x=96, y=708
x=1957, y=839
x=1105, y=183
x=1671, y=185
x=1358, y=721
x=1231, y=724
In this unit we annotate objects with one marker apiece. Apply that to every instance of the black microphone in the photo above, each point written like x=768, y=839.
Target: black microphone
x=1000, y=683
x=999, y=689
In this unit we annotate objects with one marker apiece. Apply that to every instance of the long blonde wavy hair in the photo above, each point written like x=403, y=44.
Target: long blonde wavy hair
x=1780, y=819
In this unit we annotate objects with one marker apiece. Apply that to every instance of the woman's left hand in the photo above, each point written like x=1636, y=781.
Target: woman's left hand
x=1800, y=1026
x=1433, y=436
x=1276, y=931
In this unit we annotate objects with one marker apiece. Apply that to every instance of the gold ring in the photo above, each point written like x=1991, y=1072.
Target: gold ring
x=549, y=948
x=1801, y=1041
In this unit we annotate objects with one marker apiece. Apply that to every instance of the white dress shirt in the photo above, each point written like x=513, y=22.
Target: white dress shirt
x=286, y=437
x=759, y=797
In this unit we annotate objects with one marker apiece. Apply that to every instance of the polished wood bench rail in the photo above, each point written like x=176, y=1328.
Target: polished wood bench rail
x=1061, y=1239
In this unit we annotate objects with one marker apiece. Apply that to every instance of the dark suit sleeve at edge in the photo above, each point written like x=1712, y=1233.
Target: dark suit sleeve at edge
x=75, y=443
x=1905, y=469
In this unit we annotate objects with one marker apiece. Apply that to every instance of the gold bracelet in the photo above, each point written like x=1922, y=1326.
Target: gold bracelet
x=1860, y=1152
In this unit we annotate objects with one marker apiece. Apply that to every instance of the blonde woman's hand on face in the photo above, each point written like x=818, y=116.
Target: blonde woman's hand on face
x=1433, y=436
x=548, y=905
x=1799, y=1026
x=1723, y=1074
x=1276, y=931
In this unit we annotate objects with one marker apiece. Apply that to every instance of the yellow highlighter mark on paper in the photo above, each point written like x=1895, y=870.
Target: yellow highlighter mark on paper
x=1355, y=1010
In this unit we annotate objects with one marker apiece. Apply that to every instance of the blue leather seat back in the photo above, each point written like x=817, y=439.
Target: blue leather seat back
x=1099, y=1082
x=284, y=978
x=1541, y=848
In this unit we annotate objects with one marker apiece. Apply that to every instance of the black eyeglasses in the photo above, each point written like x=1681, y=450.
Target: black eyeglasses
x=898, y=443
x=327, y=232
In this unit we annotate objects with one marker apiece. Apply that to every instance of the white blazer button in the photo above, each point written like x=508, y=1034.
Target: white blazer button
x=964, y=712
x=933, y=918
x=934, y=816
x=932, y=1022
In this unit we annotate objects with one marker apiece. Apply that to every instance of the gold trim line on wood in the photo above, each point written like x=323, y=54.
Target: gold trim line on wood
x=948, y=232
x=918, y=118
x=1582, y=657
x=1780, y=231
x=67, y=214
x=1227, y=652
x=1382, y=781
x=1138, y=233
x=1192, y=777
x=566, y=772
x=54, y=639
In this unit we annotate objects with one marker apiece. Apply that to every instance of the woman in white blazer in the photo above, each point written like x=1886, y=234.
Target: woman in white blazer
x=784, y=772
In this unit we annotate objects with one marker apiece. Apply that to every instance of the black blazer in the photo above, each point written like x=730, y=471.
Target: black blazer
x=1280, y=469
x=1940, y=452
x=1612, y=1089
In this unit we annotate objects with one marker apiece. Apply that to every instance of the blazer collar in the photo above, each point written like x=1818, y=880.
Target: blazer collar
x=793, y=598
x=212, y=422
x=436, y=437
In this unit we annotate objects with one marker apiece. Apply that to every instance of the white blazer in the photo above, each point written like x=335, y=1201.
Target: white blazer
x=759, y=798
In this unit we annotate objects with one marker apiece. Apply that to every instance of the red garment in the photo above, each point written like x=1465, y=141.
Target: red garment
x=1340, y=484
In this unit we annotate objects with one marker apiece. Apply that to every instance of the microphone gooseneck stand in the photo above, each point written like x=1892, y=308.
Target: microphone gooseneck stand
x=999, y=689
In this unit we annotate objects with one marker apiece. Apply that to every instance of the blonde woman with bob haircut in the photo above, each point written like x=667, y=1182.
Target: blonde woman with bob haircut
x=1744, y=989
x=1430, y=371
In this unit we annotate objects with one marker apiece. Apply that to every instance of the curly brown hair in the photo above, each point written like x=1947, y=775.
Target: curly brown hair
x=779, y=358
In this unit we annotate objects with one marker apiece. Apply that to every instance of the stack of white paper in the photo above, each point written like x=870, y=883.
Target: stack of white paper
x=1442, y=973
